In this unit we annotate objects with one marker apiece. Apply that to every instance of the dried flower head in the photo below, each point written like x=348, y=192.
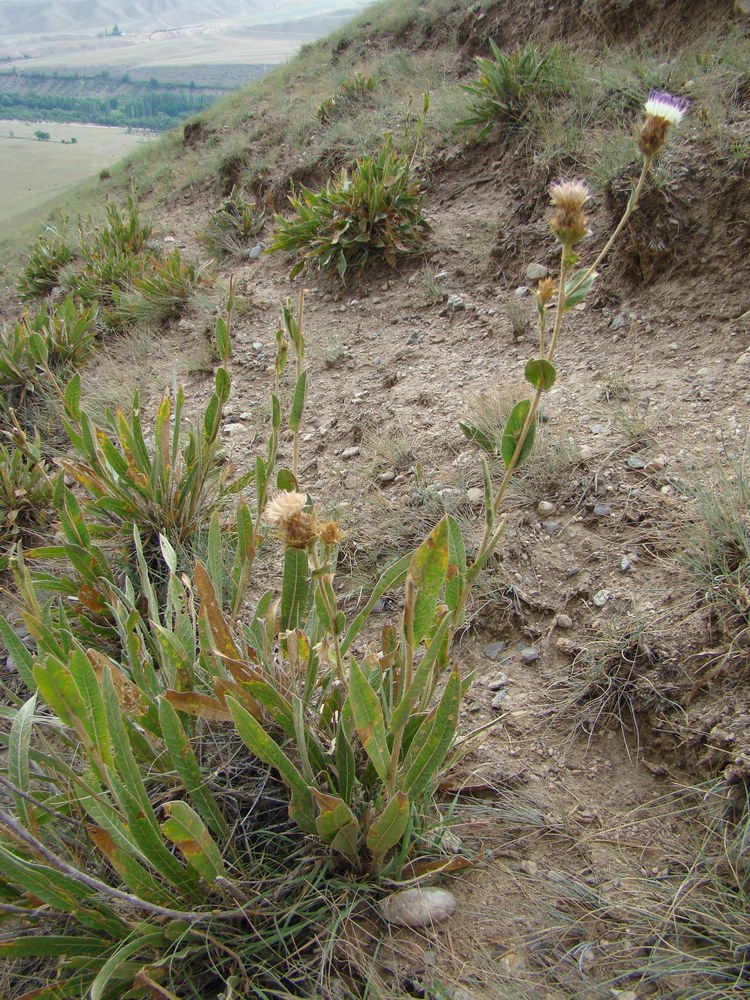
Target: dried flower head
x=545, y=290
x=662, y=110
x=330, y=533
x=568, y=221
x=286, y=512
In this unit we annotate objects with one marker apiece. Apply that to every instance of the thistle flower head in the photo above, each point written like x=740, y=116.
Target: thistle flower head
x=545, y=290
x=330, y=533
x=568, y=221
x=660, y=104
x=662, y=110
x=286, y=513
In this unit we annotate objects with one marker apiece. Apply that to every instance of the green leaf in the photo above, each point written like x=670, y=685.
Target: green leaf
x=455, y=577
x=424, y=680
x=22, y=658
x=541, y=373
x=265, y=747
x=294, y=589
x=187, y=768
x=478, y=437
x=298, y=402
x=223, y=385
x=18, y=759
x=335, y=817
x=286, y=481
x=45, y=945
x=427, y=571
x=394, y=576
x=73, y=397
x=432, y=741
x=512, y=433
x=388, y=828
x=186, y=829
x=573, y=298
x=368, y=719
x=141, y=943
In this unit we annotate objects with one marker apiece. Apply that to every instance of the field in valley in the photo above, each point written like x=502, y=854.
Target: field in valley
x=37, y=173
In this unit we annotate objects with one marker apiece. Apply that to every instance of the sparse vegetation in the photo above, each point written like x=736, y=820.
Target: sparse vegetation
x=218, y=757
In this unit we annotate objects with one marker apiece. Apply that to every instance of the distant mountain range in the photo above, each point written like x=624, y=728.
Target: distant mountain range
x=76, y=17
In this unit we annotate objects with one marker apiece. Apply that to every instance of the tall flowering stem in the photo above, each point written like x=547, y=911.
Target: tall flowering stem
x=569, y=225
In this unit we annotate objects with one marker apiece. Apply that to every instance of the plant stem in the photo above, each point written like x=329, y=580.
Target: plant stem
x=632, y=202
x=329, y=600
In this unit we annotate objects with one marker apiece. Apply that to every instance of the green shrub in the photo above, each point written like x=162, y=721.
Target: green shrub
x=233, y=226
x=350, y=95
x=506, y=86
x=161, y=290
x=41, y=272
x=57, y=339
x=25, y=490
x=374, y=212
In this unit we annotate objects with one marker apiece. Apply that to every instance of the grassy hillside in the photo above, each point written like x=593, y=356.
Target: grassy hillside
x=374, y=517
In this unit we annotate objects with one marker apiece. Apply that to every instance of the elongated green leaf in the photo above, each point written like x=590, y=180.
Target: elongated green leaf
x=18, y=759
x=47, y=945
x=394, y=576
x=86, y=681
x=298, y=402
x=427, y=571
x=423, y=680
x=541, y=373
x=215, y=557
x=294, y=589
x=346, y=766
x=129, y=866
x=388, y=828
x=573, y=298
x=223, y=385
x=455, y=577
x=186, y=766
x=368, y=719
x=512, y=433
x=432, y=741
x=186, y=829
x=73, y=397
x=478, y=437
x=22, y=658
x=59, y=690
x=286, y=481
x=140, y=944
x=264, y=746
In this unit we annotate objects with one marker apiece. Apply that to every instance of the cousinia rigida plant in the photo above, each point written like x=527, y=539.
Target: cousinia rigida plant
x=354, y=729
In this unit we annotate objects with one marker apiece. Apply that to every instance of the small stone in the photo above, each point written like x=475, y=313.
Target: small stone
x=253, y=253
x=510, y=964
x=617, y=322
x=413, y=338
x=458, y=993
x=656, y=464
x=625, y=564
x=529, y=868
x=535, y=272
x=229, y=429
x=475, y=495
x=169, y=239
x=743, y=359
x=564, y=621
x=602, y=510
x=636, y=462
x=584, y=453
x=601, y=597
x=500, y=681
x=551, y=526
x=545, y=508
x=455, y=303
x=522, y=290
x=599, y=428
x=385, y=477
x=497, y=701
x=530, y=654
x=624, y=995
x=351, y=451
x=492, y=650
x=417, y=907
x=257, y=345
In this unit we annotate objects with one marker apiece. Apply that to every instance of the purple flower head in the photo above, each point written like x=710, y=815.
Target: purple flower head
x=671, y=109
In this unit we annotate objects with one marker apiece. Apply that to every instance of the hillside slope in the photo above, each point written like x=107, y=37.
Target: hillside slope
x=601, y=809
